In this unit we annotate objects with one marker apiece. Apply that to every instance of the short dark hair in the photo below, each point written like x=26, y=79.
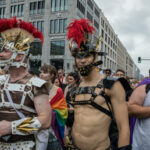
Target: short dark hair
x=120, y=71
x=75, y=76
x=108, y=70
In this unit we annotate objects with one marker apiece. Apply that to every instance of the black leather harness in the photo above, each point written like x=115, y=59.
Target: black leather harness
x=91, y=90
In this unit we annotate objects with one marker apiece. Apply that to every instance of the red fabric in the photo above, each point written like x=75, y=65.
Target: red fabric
x=78, y=29
x=59, y=95
x=6, y=24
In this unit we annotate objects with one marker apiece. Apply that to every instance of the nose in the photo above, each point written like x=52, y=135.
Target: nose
x=83, y=60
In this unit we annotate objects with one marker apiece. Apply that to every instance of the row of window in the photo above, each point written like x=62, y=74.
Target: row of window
x=2, y=2
x=2, y=12
x=57, y=47
x=17, y=10
x=90, y=4
x=97, y=13
x=39, y=25
x=108, y=40
x=80, y=7
x=104, y=25
x=59, y=5
x=58, y=26
x=16, y=1
x=37, y=7
x=109, y=64
x=108, y=51
x=96, y=24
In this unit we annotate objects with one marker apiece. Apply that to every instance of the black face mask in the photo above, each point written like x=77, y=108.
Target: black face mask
x=84, y=71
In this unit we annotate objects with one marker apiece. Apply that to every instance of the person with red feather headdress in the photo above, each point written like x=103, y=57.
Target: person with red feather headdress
x=95, y=97
x=25, y=114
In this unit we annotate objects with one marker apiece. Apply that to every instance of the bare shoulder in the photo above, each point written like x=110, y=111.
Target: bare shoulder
x=138, y=95
x=54, y=88
x=117, y=93
x=53, y=92
x=115, y=89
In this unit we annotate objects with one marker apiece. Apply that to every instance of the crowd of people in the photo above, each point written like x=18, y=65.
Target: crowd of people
x=88, y=109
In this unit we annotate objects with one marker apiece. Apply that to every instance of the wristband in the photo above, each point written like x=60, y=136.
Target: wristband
x=127, y=147
x=25, y=126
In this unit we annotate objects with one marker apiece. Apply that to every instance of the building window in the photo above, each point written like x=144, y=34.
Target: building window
x=106, y=27
x=17, y=10
x=2, y=12
x=96, y=24
x=105, y=49
x=105, y=37
x=102, y=46
x=37, y=7
x=90, y=4
x=102, y=33
x=3, y=2
x=57, y=47
x=62, y=5
x=59, y=5
x=58, y=26
x=89, y=16
x=97, y=13
x=39, y=25
x=52, y=26
x=80, y=7
x=41, y=7
x=102, y=22
x=66, y=4
x=36, y=48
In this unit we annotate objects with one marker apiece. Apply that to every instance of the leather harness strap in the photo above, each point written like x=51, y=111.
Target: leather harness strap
x=91, y=90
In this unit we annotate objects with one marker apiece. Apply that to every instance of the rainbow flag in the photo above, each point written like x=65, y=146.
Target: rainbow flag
x=59, y=115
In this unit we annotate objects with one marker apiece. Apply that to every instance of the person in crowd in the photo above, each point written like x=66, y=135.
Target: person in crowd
x=58, y=106
x=62, y=79
x=138, y=107
x=107, y=72
x=61, y=76
x=120, y=73
x=25, y=113
x=125, y=81
x=57, y=82
x=73, y=80
x=92, y=111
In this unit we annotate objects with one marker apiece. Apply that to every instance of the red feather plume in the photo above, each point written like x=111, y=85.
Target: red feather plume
x=78, y=29
x=6, y=24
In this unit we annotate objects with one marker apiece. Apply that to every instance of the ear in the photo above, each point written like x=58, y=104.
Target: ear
x=51, y=75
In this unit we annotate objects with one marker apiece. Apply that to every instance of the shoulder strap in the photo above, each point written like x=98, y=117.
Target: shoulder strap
x=102, y=109
x=37, y=82
x=102, y=93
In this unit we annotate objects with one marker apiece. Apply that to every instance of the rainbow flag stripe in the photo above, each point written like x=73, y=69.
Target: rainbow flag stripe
x=59, y=115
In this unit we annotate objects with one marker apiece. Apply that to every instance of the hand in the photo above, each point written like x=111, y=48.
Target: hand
x=5, y=128
x=70, y=109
